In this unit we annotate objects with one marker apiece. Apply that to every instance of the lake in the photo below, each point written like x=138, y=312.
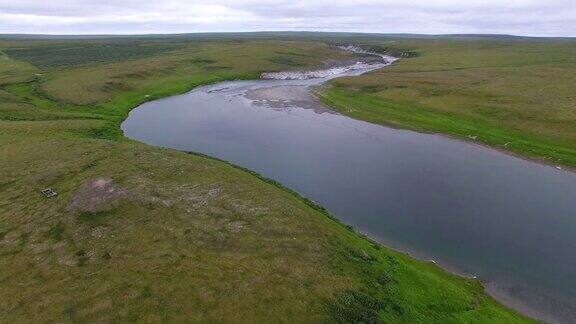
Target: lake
x=474, y=210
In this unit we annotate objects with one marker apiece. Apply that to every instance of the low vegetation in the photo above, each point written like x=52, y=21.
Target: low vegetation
x=139, y=233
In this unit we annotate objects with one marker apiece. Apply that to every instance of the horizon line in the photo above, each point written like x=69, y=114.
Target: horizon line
x=277, y=31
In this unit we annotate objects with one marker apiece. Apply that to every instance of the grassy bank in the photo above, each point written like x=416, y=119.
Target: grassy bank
x=514, y=95
x=139, y=233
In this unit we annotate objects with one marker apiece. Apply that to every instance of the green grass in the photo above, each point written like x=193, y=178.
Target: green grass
x=98, y=217
x=195, y=238
x=56, y=232
x=517, y=96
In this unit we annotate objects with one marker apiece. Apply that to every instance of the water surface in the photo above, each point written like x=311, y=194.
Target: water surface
x=509, y=221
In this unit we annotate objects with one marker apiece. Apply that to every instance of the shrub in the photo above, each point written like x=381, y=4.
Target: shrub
x=353, y=306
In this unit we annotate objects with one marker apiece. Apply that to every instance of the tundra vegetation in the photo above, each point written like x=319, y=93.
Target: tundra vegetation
x=140, y=233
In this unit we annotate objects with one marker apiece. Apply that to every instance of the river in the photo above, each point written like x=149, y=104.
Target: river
x=474, y=210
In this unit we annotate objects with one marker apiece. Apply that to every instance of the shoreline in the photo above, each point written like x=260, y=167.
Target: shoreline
x=388, y=61
x=532, y=159
x=501, y=297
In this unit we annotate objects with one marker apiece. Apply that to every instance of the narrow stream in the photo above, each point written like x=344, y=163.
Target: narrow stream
x=478, y=211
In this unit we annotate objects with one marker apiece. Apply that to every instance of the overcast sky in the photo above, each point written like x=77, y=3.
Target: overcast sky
x=519, y=17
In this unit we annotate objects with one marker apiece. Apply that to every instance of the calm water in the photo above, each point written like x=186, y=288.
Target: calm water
x=509, y=221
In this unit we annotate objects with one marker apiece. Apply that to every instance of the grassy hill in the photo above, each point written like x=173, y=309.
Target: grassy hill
x=139, y=233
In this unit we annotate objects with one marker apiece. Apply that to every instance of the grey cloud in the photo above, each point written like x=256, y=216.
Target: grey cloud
x=521, y=17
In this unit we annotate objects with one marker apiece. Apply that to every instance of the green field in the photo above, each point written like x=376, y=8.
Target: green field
x=518, y=95
x=139, y=233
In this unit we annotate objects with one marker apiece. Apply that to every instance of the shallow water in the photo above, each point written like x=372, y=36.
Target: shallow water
x=509, y=221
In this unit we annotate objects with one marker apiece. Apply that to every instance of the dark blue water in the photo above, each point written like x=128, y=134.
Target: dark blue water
x=509, y=221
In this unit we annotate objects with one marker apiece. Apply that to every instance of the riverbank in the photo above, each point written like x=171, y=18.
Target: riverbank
x=208, y=242
x=501, y=296
x=495, y=95
x=538, y=150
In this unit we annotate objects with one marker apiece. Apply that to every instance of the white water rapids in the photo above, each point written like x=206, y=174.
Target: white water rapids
x=326, y=73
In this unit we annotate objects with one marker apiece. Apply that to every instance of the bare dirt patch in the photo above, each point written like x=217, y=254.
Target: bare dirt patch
x=97, y=195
